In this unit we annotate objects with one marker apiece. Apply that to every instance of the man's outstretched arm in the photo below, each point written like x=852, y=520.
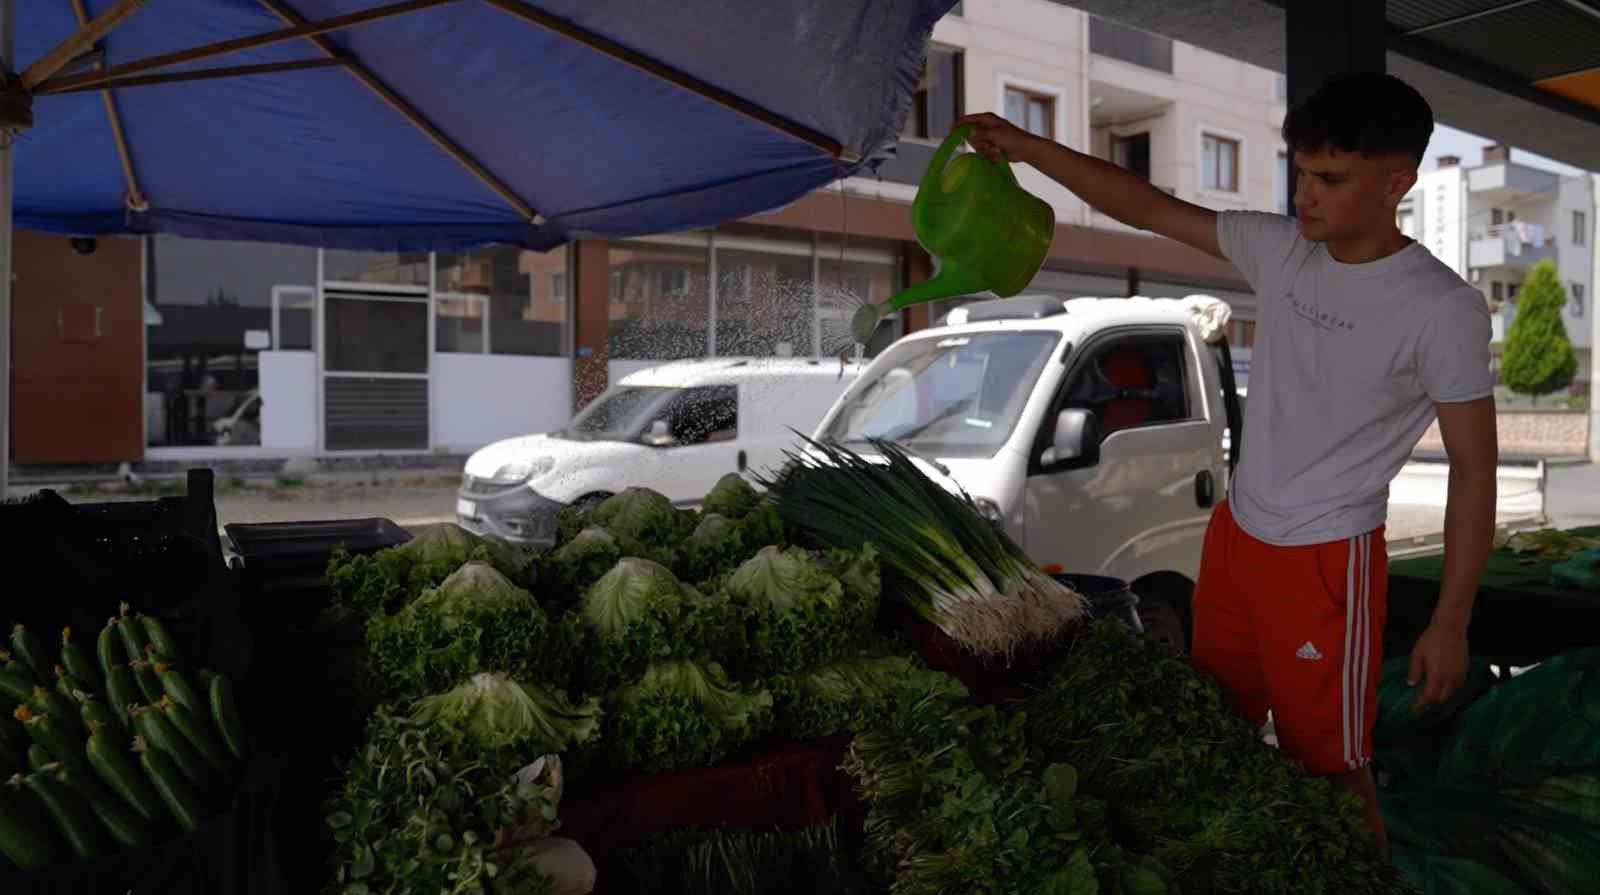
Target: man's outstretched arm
x=1109, y=189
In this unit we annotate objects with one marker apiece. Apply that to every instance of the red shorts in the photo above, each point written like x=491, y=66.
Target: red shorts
x=1297, y=631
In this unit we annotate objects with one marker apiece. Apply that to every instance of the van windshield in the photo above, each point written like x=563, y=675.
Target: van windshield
x=623, y=413
x=959, y=396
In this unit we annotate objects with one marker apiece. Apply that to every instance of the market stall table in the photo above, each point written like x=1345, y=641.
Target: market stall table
x=1520, y=616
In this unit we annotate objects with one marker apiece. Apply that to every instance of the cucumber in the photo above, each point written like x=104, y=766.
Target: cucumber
x=226, y=715
x=149, y=684
x=108, y=648
x=99, y=716
x=26, y=835
x=78, y=663
x=196, y=729
x=126, y=828
x=12, y=759
x=174, y=788
x=122, y=690
x=62, y=746
x=17, y=683
x=175, y=685
x=132, y=633
x=64, y=710
x=12, y=734
x=118, y=770
x=27, y=648
x=69, y=687
x=160, y=638
x=39, y=758
x=73, y=817
x=152, y=724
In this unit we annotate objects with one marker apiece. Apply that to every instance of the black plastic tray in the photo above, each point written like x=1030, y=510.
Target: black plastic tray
x=294, y=555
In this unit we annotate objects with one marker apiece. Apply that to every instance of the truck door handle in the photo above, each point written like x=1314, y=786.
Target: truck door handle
x=1204, y=489
x=742, y=461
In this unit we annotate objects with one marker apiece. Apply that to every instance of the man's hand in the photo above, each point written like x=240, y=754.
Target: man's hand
x=991, y=136
x=1438, y=661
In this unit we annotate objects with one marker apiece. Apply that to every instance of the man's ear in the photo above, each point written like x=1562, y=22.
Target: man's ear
x=1401, y=179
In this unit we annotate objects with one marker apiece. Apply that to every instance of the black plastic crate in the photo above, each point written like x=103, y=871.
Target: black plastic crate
x=293, y=556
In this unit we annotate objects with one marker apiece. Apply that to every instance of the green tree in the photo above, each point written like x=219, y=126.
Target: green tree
x=1539, y=357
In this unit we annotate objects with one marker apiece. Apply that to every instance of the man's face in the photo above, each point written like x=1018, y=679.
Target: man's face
x=1345, y=195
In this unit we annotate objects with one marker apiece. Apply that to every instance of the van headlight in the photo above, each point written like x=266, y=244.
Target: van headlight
x=990, y=510
x=519, y=471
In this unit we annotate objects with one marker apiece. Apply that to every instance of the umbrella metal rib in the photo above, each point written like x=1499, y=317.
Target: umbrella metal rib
x=408, y=111
x=136, y=197
x=77, y=43
x=302, y=29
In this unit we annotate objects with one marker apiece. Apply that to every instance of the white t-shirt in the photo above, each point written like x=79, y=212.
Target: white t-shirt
x=1347, y=364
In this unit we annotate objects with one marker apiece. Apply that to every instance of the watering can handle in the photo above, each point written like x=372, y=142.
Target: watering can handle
x=930, y=177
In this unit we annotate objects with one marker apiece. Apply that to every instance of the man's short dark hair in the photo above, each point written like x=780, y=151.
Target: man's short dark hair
x=1368, y=113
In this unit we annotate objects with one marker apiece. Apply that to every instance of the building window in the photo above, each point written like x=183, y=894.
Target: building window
x=1219, y=164
x=1497, y=292
x=1133, y=153
x=937, y=102
x=1577, y=299
x=202, y=359
x=1033, y=112
x=458, y=324
x=1580, y=228
x=518, y=315
x=648, y=319
x=558, y=288
x=1107, y=38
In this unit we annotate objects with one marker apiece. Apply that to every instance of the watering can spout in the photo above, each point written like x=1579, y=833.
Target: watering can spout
x=952, y=281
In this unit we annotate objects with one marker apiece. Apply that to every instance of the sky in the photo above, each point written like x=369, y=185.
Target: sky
x=1449, y=141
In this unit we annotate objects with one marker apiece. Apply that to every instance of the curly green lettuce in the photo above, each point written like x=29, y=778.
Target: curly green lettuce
x=645, y=524
x=475, y=620
x=732, y=497
x=682, y=714
x=800, y=613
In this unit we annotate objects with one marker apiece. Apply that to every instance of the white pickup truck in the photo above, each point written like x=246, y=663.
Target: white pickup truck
x=1098, y=433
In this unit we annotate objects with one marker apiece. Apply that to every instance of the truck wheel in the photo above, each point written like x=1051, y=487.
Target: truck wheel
x=1163, y=624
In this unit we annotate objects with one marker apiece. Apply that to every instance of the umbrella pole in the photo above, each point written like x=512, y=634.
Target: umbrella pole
x=7, y=58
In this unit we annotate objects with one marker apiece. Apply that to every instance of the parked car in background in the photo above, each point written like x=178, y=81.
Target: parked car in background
x=675, y=428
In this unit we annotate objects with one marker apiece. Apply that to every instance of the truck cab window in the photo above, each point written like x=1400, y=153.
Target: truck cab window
x=1133, y=381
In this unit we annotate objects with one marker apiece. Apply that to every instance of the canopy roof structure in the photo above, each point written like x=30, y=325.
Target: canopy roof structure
x=1523, y=72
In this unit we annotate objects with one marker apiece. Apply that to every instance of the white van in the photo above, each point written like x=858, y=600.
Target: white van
x=675, y=428
x=1091, y=429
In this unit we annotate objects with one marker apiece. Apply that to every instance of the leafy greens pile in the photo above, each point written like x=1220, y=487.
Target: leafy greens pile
x=425, y=801
x=1189, y=781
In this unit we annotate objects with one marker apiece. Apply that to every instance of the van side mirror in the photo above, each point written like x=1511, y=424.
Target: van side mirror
x=659, y=435
x=1076, y=433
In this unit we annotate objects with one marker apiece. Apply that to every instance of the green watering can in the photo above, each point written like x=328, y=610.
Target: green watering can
x=988, y=233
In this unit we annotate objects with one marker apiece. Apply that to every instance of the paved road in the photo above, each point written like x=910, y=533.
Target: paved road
x=1574, y=499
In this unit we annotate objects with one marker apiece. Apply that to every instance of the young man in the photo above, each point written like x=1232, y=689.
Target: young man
x=1363, y=338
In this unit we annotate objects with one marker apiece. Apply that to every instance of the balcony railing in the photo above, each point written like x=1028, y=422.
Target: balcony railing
x=1108, y=38
x=1509, y=245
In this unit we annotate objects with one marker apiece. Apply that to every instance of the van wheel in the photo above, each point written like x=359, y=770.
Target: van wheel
x=1164, y=609
x=1164, y=625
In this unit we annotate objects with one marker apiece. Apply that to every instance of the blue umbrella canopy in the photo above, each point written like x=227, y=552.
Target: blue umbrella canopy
x=437, y=124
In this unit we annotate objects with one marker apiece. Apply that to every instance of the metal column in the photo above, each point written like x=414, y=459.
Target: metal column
x=1327, y=39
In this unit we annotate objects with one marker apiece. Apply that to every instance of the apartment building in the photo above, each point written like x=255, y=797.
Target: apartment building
x=252, y=350
x=1493, y=219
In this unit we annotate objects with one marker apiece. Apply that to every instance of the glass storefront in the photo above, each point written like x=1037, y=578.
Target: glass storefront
x=774, y=294
x=214, y=303
x=220, y=304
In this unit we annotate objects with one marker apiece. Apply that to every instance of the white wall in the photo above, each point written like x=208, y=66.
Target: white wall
x=288, y=400
x=1441, y=217
x=481, y=398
